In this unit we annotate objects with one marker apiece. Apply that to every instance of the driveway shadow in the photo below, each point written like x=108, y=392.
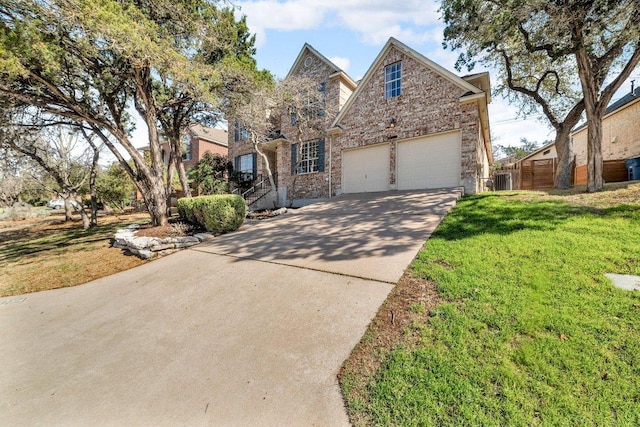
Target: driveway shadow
x=374, y=235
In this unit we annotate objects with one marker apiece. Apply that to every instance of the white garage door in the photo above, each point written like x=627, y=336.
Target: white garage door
x=366, y=169
x=431, y=162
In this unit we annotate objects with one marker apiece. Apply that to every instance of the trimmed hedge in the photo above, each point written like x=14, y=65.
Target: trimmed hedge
x=218, y=213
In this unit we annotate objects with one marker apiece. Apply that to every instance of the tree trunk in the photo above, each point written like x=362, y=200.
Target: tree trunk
x=562, y=179
x=179, y=166
x=86, y=223
x=155, y=198
x=150, y=181
x=68, y=209
x=267, y=166
x=595, y=111
x=182, y=175
x=92, y=187
x=594, y=152
x=171, y=167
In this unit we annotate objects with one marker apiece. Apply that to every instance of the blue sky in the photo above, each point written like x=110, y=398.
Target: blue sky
x=351, y=33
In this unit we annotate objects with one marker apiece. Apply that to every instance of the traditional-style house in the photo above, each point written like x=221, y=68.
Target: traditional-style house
x=196, y=141
x=409, y=124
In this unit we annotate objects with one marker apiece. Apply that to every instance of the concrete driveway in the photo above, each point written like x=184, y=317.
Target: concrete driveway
x=371, y=235
x=222, y=334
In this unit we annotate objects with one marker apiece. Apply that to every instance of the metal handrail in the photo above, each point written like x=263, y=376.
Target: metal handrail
x=261, y=184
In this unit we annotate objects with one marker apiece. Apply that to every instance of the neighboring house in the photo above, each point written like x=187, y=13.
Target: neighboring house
x=620, y=139
x=196, y=141
x=620, y=143
x=537, y=170
x=408, y=124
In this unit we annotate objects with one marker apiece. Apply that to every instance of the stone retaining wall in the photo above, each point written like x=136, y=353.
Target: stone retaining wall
x=148, y=247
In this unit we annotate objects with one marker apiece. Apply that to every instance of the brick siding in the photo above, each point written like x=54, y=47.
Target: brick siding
x=623, y=126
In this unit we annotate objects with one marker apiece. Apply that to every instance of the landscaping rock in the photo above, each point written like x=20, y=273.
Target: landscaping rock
x=146, y=247
x=162, y=247
x=204, y=236
x=185, y=244
x=141, y=253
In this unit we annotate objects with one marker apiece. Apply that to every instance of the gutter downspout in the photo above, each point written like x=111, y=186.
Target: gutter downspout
x=330, y=163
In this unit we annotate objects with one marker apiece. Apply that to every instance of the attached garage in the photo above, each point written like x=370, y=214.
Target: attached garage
x=366, y=169
x=430, y=162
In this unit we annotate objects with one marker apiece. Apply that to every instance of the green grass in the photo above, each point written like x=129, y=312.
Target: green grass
x=531, y=332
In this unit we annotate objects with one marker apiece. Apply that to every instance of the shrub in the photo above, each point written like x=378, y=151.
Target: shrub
x=217, y=213
x=185, y=209
x=21, y=211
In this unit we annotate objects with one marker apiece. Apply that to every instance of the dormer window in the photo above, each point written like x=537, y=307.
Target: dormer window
x=393, y=80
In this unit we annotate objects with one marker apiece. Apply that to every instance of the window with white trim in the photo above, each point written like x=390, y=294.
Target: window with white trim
x=246, y=166
x=308, y=157
x=393, y=80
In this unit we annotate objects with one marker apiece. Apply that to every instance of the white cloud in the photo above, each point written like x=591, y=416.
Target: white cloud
x=341, y=62
x=446, y=59
x=374, y=20
x=378, y=20
x=272, y=15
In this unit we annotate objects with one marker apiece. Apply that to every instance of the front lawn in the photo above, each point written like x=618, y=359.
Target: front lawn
x=46, y=253
x=526, y=330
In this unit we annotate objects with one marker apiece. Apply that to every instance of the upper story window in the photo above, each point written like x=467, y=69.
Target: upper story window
x=186, y=148
x=239, y=132
x=393, y=80
x=320, y=109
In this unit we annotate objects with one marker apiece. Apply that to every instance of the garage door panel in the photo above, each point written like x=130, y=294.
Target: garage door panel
x=366, y=169
x=432, y=162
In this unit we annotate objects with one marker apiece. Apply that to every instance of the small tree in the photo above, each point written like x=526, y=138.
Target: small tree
x=57, y=152
x=114, y=187
x=210, y=175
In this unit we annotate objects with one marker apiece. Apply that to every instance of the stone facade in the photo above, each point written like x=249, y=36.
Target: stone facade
x=309, y=186
x=433, y=102
x=429, y=104
x=620, y=135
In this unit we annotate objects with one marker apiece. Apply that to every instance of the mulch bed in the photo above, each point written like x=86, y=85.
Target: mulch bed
x=175, y=228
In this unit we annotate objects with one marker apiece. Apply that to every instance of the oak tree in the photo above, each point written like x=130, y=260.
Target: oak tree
x=542, y=50
x=89, y=62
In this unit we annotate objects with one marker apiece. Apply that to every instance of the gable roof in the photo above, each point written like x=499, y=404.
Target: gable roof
x=470, y=89
x=307, y=48
x=539, y=150
x=623, y=101
x=218, y=136
x=615, y=106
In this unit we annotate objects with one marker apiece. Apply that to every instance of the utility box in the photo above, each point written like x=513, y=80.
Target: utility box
x=502, y=182
x=633, y=169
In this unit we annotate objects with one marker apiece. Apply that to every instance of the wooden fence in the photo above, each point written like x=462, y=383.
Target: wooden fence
x=612, y=171
x=537, y=174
